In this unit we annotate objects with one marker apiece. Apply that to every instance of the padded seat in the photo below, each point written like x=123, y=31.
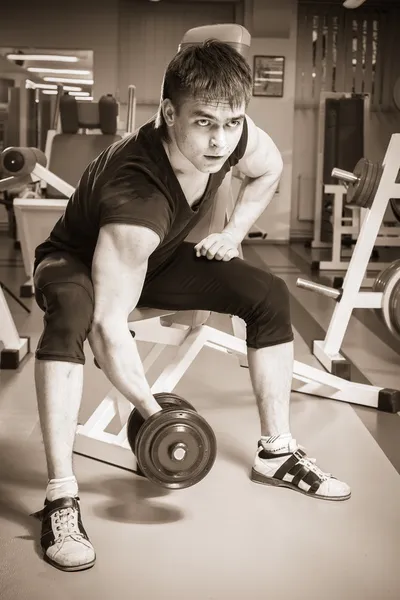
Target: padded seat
x=142, y=314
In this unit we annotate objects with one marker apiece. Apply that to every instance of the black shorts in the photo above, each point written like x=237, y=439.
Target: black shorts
x=64, y=291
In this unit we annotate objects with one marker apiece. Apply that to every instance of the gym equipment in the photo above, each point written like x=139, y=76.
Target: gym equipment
x=346, y=214
x=334, y=150
x=175, y=448
x=387, y=285
x=28, y=165
x=21, y=165
x=328, y=350
x=362, y=184
x=35, y=217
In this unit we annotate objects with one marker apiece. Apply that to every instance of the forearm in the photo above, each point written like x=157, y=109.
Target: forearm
x=256, y=196
x=116, y=352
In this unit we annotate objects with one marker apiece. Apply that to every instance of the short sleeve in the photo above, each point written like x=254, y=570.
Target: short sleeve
x=240, y=149
x=130, y=196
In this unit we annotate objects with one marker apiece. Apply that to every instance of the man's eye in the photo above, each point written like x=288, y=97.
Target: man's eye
x=203, y=122
x=234, y=123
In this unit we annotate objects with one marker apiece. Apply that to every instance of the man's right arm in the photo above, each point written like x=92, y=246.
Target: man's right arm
x=118, y=273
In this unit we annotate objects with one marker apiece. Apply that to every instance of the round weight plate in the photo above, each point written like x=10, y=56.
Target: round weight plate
x=171, y=400
x=166, y=400
x=363, y=192
x=395, y=308
x=176, y=448
x=367, y=197
x=13, y=161
x=375, y=179
x=387, y=283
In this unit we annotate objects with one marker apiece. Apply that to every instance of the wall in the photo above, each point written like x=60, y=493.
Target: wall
x=384, y=118
x=149, y=37
x=273, y=26
x=76, y=24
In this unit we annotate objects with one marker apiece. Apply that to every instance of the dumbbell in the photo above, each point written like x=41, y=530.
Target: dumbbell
x=174, y=448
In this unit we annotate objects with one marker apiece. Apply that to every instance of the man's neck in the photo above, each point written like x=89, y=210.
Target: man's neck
x=180, y=165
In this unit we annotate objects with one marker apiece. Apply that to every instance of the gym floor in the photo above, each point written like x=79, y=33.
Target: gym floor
x=225, y=538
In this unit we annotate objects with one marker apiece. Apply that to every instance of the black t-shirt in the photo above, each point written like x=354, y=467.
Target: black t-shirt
x=132, y=182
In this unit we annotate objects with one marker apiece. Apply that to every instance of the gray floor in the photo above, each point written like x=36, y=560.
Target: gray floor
x=226, y=538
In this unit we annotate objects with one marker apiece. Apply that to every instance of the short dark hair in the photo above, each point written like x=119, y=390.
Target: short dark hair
x=212, y=70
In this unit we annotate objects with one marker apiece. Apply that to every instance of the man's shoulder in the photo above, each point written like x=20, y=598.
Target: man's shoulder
x=139, y=151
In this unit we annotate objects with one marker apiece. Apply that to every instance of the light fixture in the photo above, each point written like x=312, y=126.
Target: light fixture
x=65, y=80
x=353, y=3
x=59, y=71
x=53, y=93
x=44, y=57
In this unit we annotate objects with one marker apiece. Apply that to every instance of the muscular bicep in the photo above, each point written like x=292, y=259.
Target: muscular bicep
x=119, y=268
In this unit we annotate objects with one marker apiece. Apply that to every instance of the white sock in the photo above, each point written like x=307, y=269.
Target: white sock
x=58, y=488
x=278, y=444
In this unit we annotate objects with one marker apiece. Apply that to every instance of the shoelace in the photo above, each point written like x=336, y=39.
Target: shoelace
x=66, y=523
x=310, y=464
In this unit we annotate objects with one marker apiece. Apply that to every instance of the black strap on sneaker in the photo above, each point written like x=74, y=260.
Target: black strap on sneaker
x=300, y=472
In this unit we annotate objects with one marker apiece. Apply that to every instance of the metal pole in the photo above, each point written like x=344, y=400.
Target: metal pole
x=130, y=122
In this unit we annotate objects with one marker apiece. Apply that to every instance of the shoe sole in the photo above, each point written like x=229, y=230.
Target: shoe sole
x=69, y=569
x=258, y=478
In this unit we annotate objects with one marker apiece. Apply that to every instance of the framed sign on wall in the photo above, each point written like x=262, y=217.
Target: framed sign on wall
x=268, y=76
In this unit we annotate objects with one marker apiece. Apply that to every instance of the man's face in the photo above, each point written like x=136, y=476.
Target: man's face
x=205, y=133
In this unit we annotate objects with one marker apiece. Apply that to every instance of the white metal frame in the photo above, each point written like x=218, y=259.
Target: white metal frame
x=328, y=350
x=37, y=207
x=93, y=440
x=387, y=236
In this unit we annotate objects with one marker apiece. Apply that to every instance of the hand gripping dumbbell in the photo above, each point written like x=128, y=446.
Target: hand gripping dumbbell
x=176, y=447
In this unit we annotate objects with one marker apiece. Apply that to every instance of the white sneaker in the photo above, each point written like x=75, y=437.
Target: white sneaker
x=297, y=472
x=64, y=540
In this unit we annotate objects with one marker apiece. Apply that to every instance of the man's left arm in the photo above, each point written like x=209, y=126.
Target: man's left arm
x=262, y=166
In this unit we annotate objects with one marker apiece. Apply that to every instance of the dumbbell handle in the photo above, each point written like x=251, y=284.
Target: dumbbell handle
x=319, y=288
x=345, y=175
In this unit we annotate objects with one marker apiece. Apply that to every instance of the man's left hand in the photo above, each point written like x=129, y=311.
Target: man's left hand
x=220, y=246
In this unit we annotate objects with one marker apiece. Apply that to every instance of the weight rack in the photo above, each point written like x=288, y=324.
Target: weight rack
x=327, y=351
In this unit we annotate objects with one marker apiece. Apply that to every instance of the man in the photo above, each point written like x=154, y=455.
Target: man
x=120, y=244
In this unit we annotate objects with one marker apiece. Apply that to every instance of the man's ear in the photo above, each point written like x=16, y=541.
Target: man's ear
x=169, y=112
